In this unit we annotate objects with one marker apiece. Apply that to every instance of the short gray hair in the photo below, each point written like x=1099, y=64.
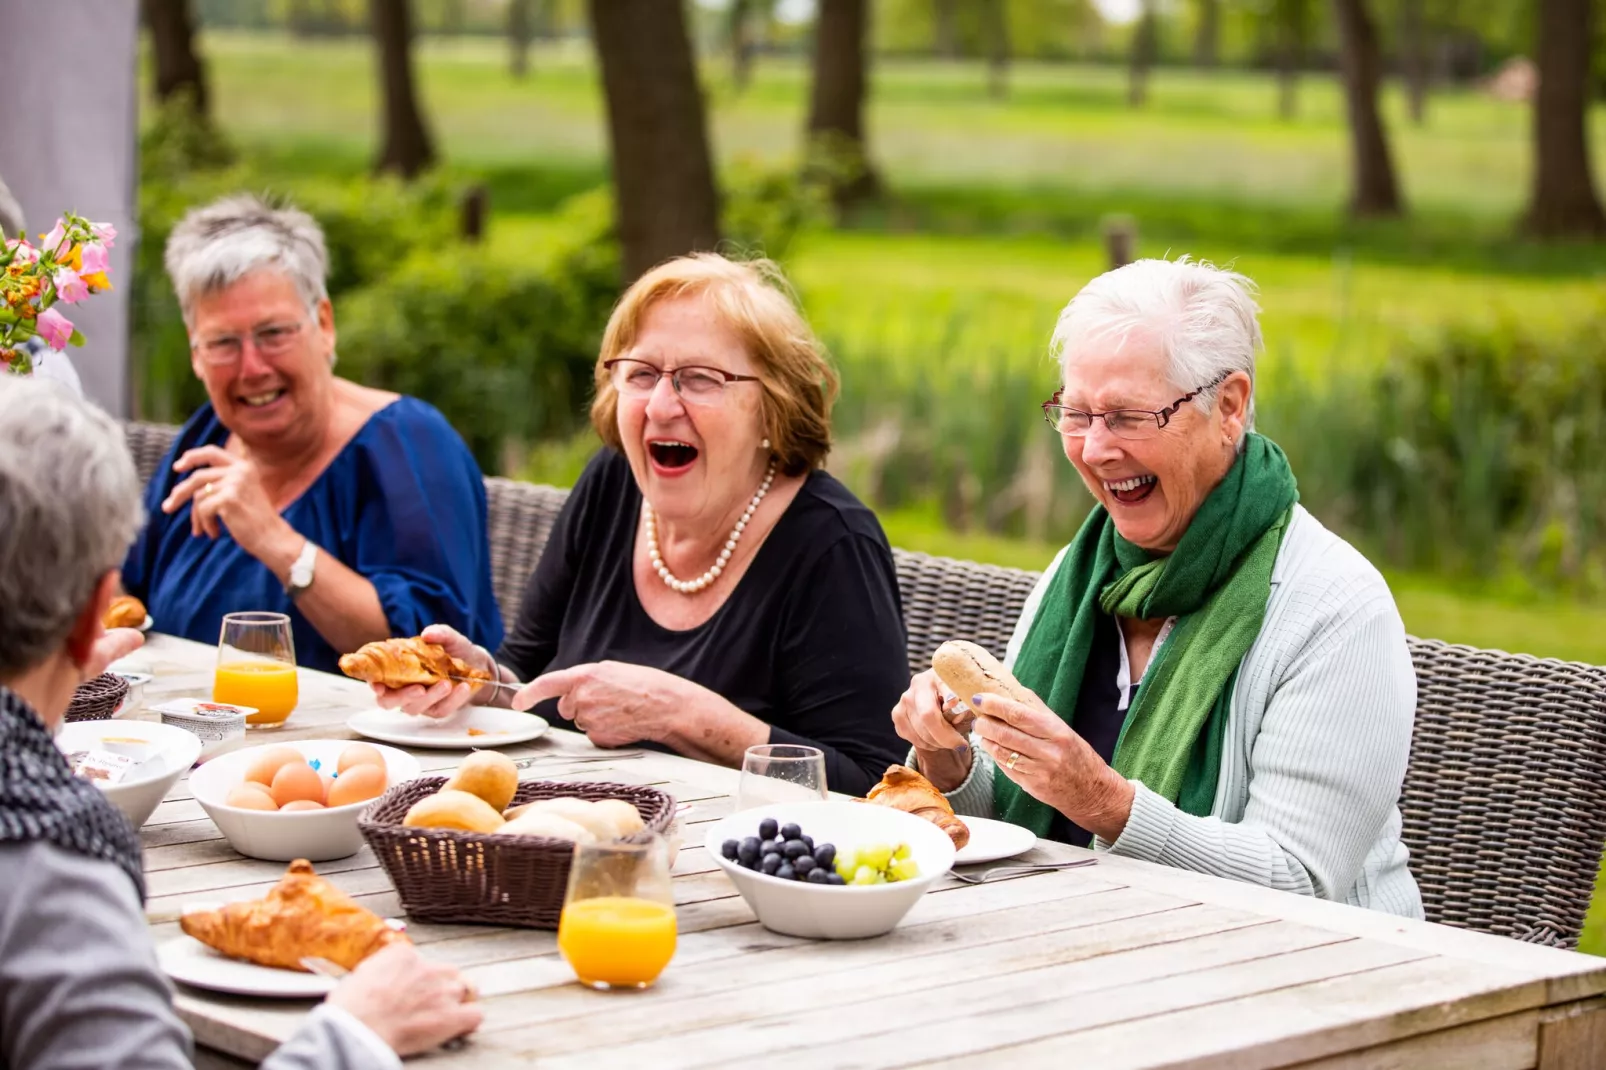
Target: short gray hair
x=69, y=508
x=1205, y=318
x=214, y=247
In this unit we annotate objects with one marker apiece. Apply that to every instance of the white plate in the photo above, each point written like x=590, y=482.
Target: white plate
x=991, y=840
x=472, y=727
x=192, y=962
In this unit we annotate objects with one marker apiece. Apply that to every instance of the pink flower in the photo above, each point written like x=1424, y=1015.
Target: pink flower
x=54, y=328
x=54, y=243
x=95, y=259
x=106, y=233
x=70, y=287
x=26, y=254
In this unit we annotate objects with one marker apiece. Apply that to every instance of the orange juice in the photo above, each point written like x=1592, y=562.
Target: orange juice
x=270, y=686
x=618, y=941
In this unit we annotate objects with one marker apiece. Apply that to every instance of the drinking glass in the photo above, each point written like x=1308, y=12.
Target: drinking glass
x=781, y=773
x=618, y=929
x=256, y=666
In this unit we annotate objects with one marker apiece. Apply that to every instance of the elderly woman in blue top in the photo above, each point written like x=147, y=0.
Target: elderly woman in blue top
x=358, y=512
x=1226, y=683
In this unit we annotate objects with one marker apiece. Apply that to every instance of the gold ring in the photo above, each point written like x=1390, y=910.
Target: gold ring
x=1014, y=756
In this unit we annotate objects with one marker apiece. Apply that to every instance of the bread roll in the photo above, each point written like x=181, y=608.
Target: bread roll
x=624, y=815
x=540, y=823
x=968, y=670
x=489, y=774
x=453, y=810
x=582, y=812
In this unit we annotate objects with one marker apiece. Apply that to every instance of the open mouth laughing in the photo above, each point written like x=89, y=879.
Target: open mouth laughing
x=671, y=456
x=1131, y=491
x=261, y=400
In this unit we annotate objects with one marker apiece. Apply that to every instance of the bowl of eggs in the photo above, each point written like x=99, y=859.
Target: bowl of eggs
x=284, y=801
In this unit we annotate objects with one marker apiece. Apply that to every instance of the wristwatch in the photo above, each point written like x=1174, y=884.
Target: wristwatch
x=301, y=570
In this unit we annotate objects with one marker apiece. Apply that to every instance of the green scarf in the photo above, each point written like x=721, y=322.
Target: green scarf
x=1216, y=583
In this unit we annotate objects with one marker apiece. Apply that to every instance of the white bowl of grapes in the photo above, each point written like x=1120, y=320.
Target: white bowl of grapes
x=830, y=870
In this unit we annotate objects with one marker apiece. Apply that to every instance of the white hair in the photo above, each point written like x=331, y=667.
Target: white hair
x=1203, y=317
x=214, y=247
x=69, y=508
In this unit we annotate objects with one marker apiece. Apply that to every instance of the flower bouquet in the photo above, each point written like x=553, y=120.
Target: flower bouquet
x=68, y=265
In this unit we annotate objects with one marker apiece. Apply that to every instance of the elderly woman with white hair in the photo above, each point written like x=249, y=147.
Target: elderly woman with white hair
x=79, y=981
x=359, y=513
x=1224, y=685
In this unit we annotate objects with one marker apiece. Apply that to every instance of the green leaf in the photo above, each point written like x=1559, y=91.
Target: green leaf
x=77, y=338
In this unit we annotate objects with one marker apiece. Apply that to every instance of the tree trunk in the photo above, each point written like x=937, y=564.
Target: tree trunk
x=1375, y=192
x=1292, y=31
x=741, y=43
x=997, y=49
x=945, y=28
x=1207, y=34
x=836, y=104
x=406, y=149
x=300, y=19
x=1414, y=58
x=178, y=69
x=662, y=178
x=519, y=32
x=1145, y=44
x=1564, y=201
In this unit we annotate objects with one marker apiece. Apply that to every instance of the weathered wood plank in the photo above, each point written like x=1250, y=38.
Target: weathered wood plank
x=1510, y=1042
x=1573, y=1037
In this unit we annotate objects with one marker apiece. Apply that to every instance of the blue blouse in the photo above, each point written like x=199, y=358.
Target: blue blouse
x=403, y=505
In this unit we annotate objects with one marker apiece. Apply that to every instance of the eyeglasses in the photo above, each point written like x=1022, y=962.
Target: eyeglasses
x=272, y=340
x=699, y=385
x=1123, y=423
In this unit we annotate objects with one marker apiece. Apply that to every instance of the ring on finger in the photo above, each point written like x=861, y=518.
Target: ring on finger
x=1014, y=756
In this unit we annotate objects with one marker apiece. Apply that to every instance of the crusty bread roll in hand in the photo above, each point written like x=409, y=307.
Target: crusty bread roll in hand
x=396, y=663
x=968, y=670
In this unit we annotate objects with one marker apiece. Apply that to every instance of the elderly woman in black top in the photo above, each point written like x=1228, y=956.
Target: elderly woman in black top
x=707, y=587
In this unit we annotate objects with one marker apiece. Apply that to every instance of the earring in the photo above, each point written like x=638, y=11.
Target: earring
x=766, y=444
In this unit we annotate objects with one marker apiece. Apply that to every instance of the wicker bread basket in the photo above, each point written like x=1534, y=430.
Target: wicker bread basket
x=445, y=875
x=97, y=699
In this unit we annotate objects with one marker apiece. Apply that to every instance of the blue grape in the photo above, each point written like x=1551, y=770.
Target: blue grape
x=767, y=828
x=728, y=849
x=771, y=863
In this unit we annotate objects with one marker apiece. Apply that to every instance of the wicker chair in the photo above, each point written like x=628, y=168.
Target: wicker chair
x=1504, y=801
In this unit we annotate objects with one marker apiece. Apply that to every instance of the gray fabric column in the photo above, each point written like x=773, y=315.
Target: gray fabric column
x=67, y=141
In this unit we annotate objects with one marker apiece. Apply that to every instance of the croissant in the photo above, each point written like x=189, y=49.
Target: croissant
x=904, y=789
x=399, y=662
x=304, y=915
x=126, y=611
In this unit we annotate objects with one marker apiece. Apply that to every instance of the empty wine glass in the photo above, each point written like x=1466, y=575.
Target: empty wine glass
x=781, y=773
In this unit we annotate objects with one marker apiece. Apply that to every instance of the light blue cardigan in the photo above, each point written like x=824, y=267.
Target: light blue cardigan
x=1316, y=745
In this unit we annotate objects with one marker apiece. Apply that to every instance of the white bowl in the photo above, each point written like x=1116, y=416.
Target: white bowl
x=822, y=911
x=139, y=795
x=316, y=835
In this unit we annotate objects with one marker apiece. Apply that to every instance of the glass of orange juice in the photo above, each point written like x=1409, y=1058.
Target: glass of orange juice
x=618, y=923
x=256, y=666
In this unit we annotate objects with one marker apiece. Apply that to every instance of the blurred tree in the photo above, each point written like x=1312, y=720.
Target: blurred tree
x=406, y=148
x=179, y=73
x=1375, y=191
x=300, y=19
x=1293, y=35
x=1414, y=57
x=945, y=28
x=997, y=48
x=1564, y=202
x=519, y=32
x=741, y=43
x=836, y=148
x=662, y=179
x=1145, y=49
x=1207, y=33
x=454, y=17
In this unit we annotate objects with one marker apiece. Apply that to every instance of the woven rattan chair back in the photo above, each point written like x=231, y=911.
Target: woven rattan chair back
x=147, y=443
x=521, y=517
x=946, y=599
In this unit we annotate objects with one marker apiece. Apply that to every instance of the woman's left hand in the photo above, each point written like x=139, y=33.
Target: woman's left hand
x=612, y=702
x=226, y=488
x=1054, y=765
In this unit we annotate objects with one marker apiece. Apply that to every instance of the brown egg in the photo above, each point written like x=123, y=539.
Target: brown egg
x=268, y=763
x=297, y=781
x=300, y=804
x=360, y=754
x=328, y=779
x=357, y=784
x=250, y=796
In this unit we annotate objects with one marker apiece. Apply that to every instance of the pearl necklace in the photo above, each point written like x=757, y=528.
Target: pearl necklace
x=693, y=586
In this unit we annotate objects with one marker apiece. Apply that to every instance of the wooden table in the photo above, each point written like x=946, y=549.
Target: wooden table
x=1119, y=964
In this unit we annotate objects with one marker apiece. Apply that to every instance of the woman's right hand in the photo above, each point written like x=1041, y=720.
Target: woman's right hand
x=943, y=754
x=410, y=1003
x=446, y=697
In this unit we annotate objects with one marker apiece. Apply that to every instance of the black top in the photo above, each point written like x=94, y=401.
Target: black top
x=811, y=641
x=1098, y=716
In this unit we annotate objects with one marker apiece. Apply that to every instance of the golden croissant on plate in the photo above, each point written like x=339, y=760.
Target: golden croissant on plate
x=904, y=789
x=304, y=915
x=400, y=662
x=126, y=611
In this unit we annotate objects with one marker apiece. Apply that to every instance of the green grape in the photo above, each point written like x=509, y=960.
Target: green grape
x=875, y=857
x=866, y=875
x=904, y=869
x=901, y=852
x=847, y=864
